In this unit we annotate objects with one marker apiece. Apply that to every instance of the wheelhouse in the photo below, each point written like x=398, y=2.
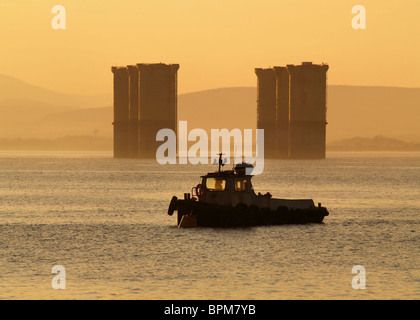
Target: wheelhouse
x=227, y=183
x=226, y=187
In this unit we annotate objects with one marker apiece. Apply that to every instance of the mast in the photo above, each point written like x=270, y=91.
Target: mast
x=221, y=164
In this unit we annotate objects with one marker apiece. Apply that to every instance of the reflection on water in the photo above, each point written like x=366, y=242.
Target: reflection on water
x=105, y=221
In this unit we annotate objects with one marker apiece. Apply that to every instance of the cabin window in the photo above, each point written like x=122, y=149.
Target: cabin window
x=241, y=184
x=215, y=184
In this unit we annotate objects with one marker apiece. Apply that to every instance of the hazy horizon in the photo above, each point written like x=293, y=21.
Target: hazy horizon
x=109, y=92
x=217, y=44
x=30, y=111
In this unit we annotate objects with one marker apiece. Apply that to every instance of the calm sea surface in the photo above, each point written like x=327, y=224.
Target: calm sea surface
x=105, y=221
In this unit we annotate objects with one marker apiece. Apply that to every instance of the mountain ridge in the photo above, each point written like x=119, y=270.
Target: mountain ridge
x=13, y=88
x=351, y=111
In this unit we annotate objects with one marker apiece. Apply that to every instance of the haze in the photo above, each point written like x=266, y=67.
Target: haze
x=58, y=83
x=217, y=43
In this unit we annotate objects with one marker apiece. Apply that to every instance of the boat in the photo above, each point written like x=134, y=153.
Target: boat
x=226, y=199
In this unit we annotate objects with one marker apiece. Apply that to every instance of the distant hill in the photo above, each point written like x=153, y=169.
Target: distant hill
x=219, y=108
x=370, y=111
x=29, y=111
x=351, y=110
x=377, y=143
x=68, y=143
x=12, y=88
x=23, y=110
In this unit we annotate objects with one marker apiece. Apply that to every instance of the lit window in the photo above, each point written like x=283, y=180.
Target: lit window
x=240, y=185
x=215, y=184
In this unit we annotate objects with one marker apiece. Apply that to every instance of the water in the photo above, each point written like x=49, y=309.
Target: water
x=105, y=221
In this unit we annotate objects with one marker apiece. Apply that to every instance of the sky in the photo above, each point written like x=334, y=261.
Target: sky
x=217, y=43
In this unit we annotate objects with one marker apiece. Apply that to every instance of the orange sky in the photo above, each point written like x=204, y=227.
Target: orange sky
x=218, y=43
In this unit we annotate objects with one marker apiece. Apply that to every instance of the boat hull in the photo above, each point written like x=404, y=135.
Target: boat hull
x=217, y=216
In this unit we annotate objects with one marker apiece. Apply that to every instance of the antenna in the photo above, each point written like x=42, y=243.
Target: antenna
x=234, y=157
x=221, y=164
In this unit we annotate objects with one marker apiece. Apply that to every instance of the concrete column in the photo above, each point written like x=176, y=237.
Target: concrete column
x=133, y=110
x=308, y=111
x=266, y=109
x=282, y=112
x=157, y=104
x=121, y=112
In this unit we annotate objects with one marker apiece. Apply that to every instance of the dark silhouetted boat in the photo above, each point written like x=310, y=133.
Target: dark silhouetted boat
x=226, y=198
